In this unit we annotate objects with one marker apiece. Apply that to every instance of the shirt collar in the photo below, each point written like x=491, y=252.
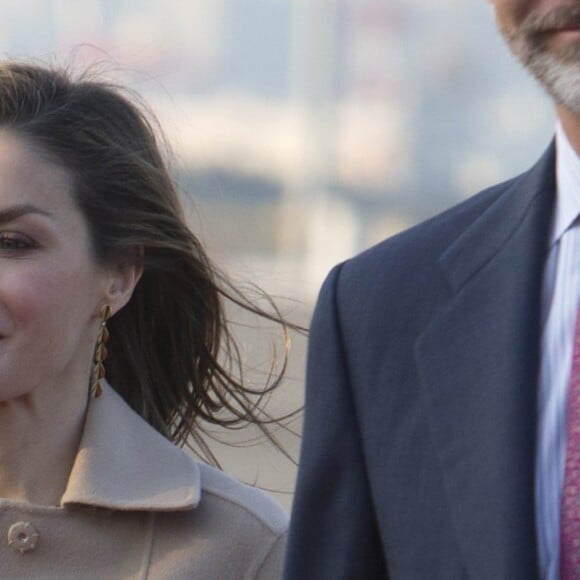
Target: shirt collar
x=123, y=463
x=568, y=185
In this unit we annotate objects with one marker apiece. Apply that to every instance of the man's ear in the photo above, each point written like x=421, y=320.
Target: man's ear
x=123, y=278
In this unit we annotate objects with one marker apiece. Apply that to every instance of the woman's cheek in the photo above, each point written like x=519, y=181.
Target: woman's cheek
x=28, y=295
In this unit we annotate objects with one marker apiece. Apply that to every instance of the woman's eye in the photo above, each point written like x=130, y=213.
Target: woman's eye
x=10, y=241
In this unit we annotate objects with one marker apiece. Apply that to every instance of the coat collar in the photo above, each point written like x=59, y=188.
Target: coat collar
x=123, y=463
x=478, y=362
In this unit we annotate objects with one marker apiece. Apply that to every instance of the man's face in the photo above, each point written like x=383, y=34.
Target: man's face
x=545, y=36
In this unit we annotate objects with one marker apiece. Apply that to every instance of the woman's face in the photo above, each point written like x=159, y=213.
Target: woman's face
x=51, y=289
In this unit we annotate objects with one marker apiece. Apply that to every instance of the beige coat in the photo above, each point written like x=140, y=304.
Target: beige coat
x=138, y=507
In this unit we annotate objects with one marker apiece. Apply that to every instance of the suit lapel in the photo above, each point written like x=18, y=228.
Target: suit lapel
x=478, y=363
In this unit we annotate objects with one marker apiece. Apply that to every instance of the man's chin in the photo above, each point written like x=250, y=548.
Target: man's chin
x=558, y=72
x=560, y=78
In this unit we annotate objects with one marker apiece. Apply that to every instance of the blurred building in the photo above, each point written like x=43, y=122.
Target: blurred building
x=307, y=130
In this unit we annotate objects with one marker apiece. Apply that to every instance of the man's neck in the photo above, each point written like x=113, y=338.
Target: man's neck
x=571, y=124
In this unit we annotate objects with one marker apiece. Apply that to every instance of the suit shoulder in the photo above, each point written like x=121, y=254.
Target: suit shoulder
x=403, y=271
x=435, y=233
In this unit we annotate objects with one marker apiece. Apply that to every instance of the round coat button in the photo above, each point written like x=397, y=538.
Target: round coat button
x=22, y=537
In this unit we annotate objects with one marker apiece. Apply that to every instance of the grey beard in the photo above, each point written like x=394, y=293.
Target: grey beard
x=558, y=73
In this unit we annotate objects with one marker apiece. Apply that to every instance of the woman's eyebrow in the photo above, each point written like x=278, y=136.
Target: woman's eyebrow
x=16, y=211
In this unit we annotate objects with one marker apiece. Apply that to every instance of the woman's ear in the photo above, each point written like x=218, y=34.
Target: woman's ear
x=122, y=280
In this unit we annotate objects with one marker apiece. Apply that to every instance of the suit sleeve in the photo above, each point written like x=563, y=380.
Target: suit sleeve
x=333, y=533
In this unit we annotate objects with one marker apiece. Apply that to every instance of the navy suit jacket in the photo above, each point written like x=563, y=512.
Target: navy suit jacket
x=418, y=455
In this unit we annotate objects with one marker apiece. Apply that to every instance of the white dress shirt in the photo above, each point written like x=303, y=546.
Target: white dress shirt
x=561, y=291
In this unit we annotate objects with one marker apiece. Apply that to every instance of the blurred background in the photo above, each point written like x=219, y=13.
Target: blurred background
x=303, y=131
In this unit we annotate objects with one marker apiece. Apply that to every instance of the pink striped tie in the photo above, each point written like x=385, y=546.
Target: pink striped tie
x=570, y=515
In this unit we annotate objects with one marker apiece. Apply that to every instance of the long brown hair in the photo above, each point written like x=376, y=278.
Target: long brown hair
x=172, y=356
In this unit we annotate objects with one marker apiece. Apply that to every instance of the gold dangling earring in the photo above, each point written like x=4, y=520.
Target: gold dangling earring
x=100, y=353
